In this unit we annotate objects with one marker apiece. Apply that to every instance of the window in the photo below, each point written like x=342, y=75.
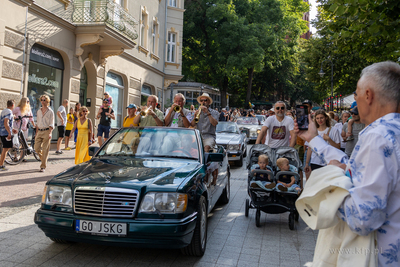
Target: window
x=171, y=49
x=115, y=88
x=172, y=3
x=146, y=91
x=144, y=28
x=154, y=36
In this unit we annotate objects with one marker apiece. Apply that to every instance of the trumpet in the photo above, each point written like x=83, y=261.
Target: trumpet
x=177, y=109
x=144, y=112
x=197, y=118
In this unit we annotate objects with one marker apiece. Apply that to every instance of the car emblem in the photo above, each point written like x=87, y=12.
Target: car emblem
x=108, y=179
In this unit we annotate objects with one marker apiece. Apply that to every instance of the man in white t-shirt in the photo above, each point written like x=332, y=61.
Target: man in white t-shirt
x=61, y=124
x=280, y=128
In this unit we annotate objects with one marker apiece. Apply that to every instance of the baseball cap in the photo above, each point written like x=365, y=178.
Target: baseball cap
x=131, y=106
x=354, y=111
x=307, y=102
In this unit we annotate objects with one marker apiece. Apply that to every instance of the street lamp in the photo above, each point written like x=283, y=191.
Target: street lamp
x=322, y=73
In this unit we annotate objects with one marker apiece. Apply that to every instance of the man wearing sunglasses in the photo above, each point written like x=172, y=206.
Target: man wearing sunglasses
x=44, y=128
x=279, y=127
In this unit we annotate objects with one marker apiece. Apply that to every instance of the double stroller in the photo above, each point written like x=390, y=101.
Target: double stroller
x=273, y=201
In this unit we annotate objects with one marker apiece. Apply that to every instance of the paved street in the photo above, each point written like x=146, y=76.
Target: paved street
x=233, y=239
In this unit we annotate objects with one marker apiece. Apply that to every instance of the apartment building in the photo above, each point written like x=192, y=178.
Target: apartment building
x=79, y=49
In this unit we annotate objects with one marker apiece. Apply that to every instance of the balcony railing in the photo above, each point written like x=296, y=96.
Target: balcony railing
x=100, y=12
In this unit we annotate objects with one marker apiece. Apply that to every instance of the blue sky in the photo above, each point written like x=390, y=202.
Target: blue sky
x=313, y=13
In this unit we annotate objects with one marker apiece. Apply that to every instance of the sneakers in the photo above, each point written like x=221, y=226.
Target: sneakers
x=3, y=168
x=270, y=186
x=282, y=188
x=42, y=170
x=67, y=148
x=59, y=152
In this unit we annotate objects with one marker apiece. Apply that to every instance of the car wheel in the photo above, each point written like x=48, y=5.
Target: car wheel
x=258, y=218
x=60, y=241
x=197, y=246
x=240, y=162
x=226, y=194
x=246, y=211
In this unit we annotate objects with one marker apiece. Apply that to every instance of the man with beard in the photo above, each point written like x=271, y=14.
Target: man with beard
x=279, y=128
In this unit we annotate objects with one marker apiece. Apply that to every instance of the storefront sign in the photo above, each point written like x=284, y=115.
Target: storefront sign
x=43, y=81
x=46, y=56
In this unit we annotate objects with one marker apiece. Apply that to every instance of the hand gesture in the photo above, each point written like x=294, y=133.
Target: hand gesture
x=204, y=109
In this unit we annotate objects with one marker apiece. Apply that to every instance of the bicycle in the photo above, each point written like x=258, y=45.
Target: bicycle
x=16, y=155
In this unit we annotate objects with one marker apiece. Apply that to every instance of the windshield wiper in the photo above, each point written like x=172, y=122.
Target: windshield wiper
x=169, y=156
x=225, y=132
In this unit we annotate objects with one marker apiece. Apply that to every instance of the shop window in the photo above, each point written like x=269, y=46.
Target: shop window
x=115, y=88
x=171, y=49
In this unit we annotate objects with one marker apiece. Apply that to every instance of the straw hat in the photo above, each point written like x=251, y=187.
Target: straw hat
x=204, y=95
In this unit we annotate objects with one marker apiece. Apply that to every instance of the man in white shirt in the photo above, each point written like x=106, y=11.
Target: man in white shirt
x=374, y=166
x=279, y=128
x=44, y=128
x=61, y=124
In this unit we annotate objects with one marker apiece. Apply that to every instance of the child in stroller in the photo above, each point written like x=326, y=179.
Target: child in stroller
x=286, y=182
x=261, y=179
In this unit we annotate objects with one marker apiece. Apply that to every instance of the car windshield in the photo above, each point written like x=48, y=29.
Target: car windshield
x=227, y=127
x=152, y=142
x=248, y=120
x=261, y=118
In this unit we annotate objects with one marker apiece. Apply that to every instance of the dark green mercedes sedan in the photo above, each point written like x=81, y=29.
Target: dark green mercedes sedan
x=146, y=187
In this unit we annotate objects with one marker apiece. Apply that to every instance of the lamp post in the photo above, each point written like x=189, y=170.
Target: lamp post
x=322, y=73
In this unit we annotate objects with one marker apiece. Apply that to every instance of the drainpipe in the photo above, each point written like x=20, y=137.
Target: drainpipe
x=165, y=38
x=23, y=54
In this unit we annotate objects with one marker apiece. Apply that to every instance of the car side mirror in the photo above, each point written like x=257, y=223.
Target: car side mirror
x=214, y=157
x=93, y=150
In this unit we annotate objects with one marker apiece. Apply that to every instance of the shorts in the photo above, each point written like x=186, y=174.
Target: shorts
x=103, y=129
x=6, y=144
x=208, y=141
x=67, y=133
x=61, y=131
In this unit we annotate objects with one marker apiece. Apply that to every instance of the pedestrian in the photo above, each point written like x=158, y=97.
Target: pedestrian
x=61, y=124
x=77, y=107
x=23, y=109
x=69, y=127
x=44, y=128
x=279, y=127
x=345, y=116
x=223, y=116
x=153, y=116
x=6, y=130
x=358, y=126
x=128, y=120
x=374, y=166
x=85, y=136
x=105, y=114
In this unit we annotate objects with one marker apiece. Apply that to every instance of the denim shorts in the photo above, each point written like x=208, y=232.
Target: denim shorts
x=103, y=129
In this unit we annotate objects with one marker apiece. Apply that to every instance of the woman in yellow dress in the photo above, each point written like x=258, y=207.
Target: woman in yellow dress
x=85, y=134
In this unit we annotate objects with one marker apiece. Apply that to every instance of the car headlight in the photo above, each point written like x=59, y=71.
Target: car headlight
x=55, y=194
x=233, y=147
x=164, y=203
x=258, y=131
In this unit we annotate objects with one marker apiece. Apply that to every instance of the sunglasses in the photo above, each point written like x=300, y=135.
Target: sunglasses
x=85, y=111
x=280, y=108
x=43, y=100
x=203, y=100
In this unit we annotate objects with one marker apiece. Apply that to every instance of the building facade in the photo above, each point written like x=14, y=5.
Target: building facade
x=79, y=49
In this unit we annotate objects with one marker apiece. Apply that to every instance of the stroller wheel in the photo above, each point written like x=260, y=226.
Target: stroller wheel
x=258, y=215
x=246, y=211
x=291, y=221
x=296, y=215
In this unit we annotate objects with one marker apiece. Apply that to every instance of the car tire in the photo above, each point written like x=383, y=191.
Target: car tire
x=226, y=194
x=197, y=246
x=59, y=241
x=240, y=162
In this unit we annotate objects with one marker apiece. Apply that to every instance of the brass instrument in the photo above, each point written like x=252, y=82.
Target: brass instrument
x=144, y=112
x=197, y=118
x=177, y=109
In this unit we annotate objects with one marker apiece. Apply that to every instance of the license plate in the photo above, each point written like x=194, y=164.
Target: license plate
x=101, y=228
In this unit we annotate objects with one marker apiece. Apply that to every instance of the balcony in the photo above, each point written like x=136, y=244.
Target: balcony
x=105, y=23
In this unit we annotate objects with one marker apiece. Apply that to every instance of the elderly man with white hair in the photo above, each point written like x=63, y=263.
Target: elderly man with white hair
x=178, y=119
x=374, y=166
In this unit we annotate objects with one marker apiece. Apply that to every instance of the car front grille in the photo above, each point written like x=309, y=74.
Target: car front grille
x=105, y=201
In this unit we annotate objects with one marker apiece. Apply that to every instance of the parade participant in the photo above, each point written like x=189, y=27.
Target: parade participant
x=358, y=126
x=61, y=124
x=279, y=128
x=374, y=165
x=178, y=119
x=207, y=123
x=153, y=117
x=224, y=116
x=44, y=128
x=77, y=107
x=69, y=127
x=105, y=114
x=85, y=136
x=128, y=120
x=6, y=125
x=23, y=109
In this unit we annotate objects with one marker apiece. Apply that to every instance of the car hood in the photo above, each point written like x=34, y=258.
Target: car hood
x=227, y=138
x=129, y=172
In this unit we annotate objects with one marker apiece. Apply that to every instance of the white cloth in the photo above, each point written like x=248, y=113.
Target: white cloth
x=373, y=203
x=278, y=132
x=334, y=135
x=46, y=119
x=63, y=114
x=339, y=127
x=336, y=245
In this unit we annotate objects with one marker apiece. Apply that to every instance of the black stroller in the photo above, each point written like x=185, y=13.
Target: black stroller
x=273, y=201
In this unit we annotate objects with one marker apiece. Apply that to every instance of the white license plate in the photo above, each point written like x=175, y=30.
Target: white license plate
x=101, y=228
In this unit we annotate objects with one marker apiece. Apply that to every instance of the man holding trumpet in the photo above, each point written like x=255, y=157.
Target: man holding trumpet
x=177, y=115
x=150, y=115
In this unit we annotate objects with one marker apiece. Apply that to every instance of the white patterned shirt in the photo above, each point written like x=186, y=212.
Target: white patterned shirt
x=374, y=167
x=45, y=120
